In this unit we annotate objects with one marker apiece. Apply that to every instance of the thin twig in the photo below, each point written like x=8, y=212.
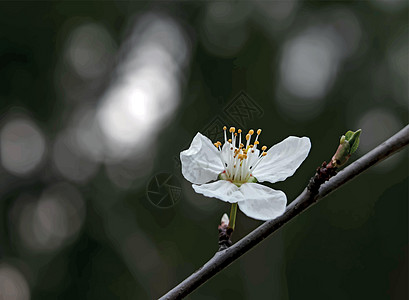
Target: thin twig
x=224, y=258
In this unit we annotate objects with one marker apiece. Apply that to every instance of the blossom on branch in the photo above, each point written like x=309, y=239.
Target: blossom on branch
x=230, y=171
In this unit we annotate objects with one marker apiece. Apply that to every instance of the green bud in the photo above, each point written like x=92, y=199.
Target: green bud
x=347, y=145
x=353, y=140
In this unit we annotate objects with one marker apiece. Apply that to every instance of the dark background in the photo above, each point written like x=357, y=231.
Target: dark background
x=99, y=98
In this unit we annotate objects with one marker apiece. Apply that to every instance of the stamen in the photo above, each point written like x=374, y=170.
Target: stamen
x=258, y=161
x=258, y=133
x=239, y=131
x=232, y=130
x=248, y=136
x=240, y=162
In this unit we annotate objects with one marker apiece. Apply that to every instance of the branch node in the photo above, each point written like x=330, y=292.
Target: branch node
x=322, y=174
x=225, y=233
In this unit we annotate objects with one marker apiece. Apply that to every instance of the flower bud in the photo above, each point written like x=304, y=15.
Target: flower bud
x=225, y=220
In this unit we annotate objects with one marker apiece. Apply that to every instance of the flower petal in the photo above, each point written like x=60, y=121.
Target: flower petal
x=201, y=163
x=221, y=189
x=262, y=202
x=283, y=159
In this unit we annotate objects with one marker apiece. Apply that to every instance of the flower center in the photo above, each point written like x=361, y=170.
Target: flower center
x=240, y=160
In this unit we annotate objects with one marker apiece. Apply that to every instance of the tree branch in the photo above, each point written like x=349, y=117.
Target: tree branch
x=306, y=199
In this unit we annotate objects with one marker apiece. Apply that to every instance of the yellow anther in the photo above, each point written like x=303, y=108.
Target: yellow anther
x=251, y=146
x=235, y=134
x=248, y=137
x=256, y=142
x=251, y=132
x=229, y=140
x=232, y=129
x=239, y=131
x=216, y=144
x=264, y=153
x=224, y=128
x=258, y=131
x=264, y=148
x=242, y=145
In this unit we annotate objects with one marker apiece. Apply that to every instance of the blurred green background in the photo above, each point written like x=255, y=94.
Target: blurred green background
x=99, y=98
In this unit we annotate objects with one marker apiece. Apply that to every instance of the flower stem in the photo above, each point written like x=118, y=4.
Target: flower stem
x=233, y=212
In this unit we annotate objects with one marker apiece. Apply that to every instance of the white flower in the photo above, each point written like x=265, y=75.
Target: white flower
x=239, y=166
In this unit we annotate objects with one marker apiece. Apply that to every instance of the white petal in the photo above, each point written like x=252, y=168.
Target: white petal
x=262, y=202
x=283, y=159
x=252, y=157
x=226, y=153
x=201, y=163
x=221, y=189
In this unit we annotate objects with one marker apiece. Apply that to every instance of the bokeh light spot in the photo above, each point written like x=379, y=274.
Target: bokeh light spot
x=309, y=64
x=54, y=220
x=13, y=285
x=223, y=28
x=90, y=50
x=70, y=161
x=146, y=90
x=22, y=146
